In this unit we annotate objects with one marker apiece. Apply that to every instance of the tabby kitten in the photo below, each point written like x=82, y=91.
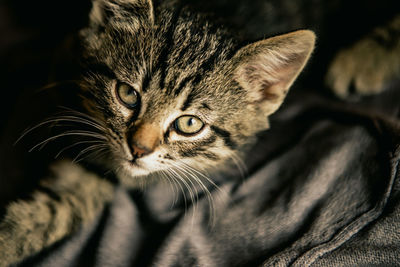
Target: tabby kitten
x=165, y=90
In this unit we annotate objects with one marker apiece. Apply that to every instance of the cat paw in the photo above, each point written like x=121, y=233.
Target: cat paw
x=366, y=68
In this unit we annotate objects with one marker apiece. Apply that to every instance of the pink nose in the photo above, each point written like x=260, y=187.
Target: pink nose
x=144, y=140
x=139, y=151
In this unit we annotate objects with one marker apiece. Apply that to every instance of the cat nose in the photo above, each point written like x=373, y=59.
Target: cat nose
x=144, y=140
x=139, y=151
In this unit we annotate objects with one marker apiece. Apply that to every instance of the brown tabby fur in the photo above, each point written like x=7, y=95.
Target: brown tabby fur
x=180, y=63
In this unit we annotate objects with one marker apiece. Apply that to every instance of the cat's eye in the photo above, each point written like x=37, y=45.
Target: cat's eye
x=127, y=95
x=188, y=125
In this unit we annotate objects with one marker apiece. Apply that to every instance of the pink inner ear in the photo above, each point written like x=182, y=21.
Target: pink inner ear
x=266, y=69
x=271, y=81
x=261, y=80
x=270, y=96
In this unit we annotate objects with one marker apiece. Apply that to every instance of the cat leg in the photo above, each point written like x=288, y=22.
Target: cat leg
x=71, y=199
x=369, y=65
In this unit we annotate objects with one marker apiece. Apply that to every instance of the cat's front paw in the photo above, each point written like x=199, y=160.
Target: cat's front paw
x=367, y=67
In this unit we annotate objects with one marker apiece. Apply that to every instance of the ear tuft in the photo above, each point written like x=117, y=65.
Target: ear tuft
x=266, y=69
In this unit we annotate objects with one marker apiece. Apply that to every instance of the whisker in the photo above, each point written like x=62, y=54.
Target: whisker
x=61, y=119
x=94, y=154
x=172, y=185
x=81, y=120
x=191, y=193
x=92, y=147
x=194, y=195
x=240, y=165
x=193, y=186
x=69, y=133
x=81, y=114
x=75, y=144
x=204, y=188
x=176, y=176
x=202, y=175
x=177, y=181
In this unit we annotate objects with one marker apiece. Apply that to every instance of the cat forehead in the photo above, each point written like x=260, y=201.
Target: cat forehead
x=178, y=54
x=183, y=38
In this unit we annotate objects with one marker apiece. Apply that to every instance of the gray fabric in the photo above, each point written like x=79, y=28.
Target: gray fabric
x=321, y=190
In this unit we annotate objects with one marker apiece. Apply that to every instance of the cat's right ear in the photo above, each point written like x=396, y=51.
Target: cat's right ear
x=121, y=13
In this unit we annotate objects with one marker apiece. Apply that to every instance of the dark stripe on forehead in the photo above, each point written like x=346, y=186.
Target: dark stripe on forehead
x=162, y=61
x=207, y=65
x=146, y=81
x=188, y=101
x=225, y=135
x=205, y=105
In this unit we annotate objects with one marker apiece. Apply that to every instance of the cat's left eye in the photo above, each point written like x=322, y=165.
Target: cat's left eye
x=127, y=95
x=188, y=125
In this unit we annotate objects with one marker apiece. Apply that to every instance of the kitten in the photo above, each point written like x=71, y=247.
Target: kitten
x=165, y=90
x=174, y=90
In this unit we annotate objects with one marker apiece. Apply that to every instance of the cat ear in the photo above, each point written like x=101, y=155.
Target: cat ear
x=266, y=69
x=121, y=13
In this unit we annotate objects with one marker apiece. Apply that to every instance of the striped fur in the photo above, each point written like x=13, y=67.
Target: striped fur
x=73, y=197
x=180, y=63
x=370, y=65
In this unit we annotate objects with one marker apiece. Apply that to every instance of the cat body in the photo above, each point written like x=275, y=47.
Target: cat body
x=165, y=91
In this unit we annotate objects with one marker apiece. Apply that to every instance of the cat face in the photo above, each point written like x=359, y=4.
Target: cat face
x=171, y=90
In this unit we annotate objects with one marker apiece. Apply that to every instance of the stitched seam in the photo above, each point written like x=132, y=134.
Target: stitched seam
x=353, y=228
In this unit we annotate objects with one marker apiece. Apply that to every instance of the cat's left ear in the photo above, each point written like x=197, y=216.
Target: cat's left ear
x=266, y=69
x=121, y=13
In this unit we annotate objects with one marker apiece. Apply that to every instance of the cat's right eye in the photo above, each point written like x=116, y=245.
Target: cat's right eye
x=127, y=95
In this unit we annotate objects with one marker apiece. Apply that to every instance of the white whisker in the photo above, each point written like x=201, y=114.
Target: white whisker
x=192, y=173
x=173, y=186
x=76, y=144
x=240, y=165
x=176, y=180
x=92, y=147
x=86, y=120
x=69, y=133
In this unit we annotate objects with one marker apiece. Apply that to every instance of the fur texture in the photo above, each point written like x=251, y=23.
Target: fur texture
x=148, y=68
x=149, y=72
x=180, y=64
x=369, y=65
